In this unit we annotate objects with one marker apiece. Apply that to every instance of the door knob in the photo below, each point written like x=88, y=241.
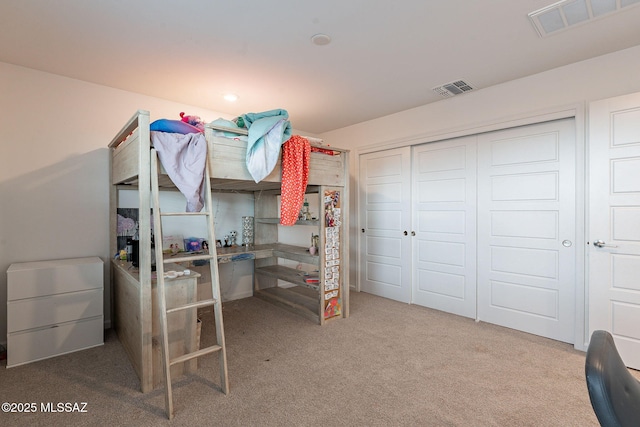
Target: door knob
x=602, y=244
x=405, y=233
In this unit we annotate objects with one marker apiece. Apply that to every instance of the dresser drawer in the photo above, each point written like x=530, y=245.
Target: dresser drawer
x=44, y=311
x=38, y=344
x=41, y=278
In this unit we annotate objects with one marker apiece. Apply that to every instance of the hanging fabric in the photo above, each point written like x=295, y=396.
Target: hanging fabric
x=296, y=154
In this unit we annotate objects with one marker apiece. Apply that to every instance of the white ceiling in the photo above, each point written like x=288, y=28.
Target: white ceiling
x=385, y=56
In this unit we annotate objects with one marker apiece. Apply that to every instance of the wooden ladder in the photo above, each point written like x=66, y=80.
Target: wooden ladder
x=215, y=301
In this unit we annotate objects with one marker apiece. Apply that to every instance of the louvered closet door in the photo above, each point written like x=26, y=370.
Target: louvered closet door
x=526, y=228
x=385, y=220
x=444, y=220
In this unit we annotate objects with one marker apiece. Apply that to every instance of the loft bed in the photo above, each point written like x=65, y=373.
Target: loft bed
x=134, y=303
x=227, y=156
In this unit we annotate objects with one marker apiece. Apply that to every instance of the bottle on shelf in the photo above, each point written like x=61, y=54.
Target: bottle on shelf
x=306, y=213
x=315, y=239
x=129, y=248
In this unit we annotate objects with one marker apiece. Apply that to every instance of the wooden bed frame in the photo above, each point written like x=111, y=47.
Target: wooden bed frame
x=133, y=293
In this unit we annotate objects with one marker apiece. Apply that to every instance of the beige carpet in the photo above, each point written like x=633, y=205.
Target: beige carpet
x=389, y=364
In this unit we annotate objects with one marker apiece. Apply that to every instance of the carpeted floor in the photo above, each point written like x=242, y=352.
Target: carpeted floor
x=388, y=364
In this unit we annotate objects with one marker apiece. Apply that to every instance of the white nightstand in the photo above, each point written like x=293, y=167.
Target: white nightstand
x=53, y=307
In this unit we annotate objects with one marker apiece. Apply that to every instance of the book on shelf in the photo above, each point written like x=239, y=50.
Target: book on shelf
x=311, y=279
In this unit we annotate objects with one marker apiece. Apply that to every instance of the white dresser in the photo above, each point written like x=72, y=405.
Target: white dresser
x=53, y=307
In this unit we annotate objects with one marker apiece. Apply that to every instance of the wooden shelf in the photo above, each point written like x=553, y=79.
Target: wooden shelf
x=295, y=300
x=329, y=297
x=241, y=253
x=312, y=222
x=295, y=253
x=287, y=274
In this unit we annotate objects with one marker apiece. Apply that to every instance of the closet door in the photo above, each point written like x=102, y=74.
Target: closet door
x=444, y=220
x=526, y=229
x=385, y=220
x=614, y=220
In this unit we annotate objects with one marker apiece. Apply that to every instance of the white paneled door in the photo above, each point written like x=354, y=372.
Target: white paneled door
x=526, y=228
x=444, y=221
x=482, y=226
x=614, y=222
x=385, y=221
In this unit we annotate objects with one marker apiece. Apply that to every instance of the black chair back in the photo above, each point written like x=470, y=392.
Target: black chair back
x=614, y=392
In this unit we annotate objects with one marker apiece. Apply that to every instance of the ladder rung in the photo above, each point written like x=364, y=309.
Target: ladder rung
x=201, y=213
x=197, y=304
x=188, y=258
x=198, y=353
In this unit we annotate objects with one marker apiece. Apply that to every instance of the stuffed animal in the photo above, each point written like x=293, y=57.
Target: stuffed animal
x=193, y=121
x=233, y=235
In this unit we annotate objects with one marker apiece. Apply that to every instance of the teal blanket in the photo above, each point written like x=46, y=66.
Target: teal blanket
x=267, y=132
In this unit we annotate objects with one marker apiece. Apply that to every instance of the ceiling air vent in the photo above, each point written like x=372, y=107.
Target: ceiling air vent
x=568, y=13
x=454, y=88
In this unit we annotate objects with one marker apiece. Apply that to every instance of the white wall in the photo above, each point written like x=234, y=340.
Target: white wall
x=495, y=107
x=54, y=132
x=602, y=77
x=54, y=191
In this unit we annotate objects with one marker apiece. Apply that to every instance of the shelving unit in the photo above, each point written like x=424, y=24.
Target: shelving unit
x=280, y=284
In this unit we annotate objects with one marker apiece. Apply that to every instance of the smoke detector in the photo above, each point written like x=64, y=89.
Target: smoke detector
x=457, y=87
x=320, y=39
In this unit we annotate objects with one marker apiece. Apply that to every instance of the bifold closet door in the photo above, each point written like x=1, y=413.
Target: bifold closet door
x=385, y=221
x=526, y=228
x=444, y=221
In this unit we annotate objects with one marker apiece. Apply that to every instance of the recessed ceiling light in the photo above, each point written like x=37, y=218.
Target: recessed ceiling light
x=231, y=97
x=320, y=39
